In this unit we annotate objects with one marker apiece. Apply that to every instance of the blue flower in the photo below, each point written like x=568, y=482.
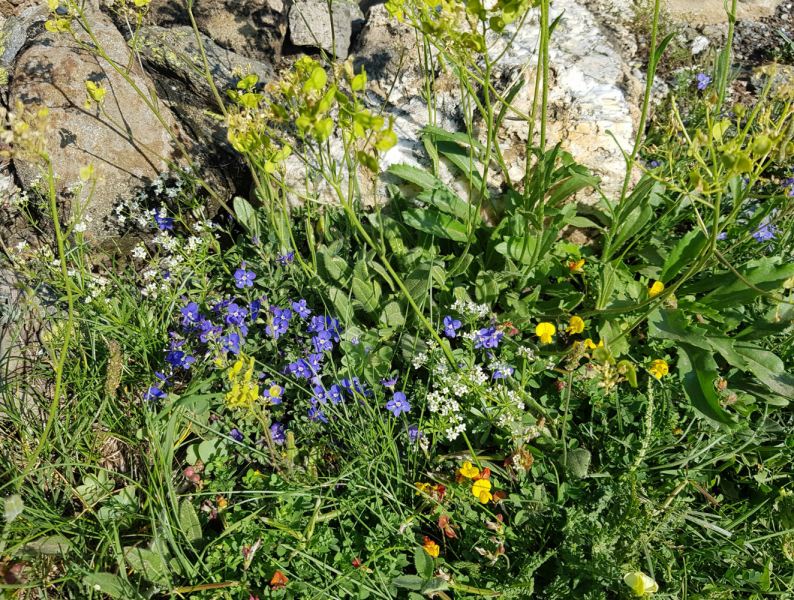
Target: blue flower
x=255, y=306
x=325, y=323
x=487, y=338
x=236, y=435
x=209, y=331
x=655, y=163
x=190, y=314
x=154, y=394
x=450, y=326
x=319, y=395
x=503, y=372
x=230, y=342
x=285, y=259
x=398, y=404
x=414, y=434
x=300, y=308
x=280, y=321
x=353, y=386
x=235, y=315
x=322, y=341
x=389, y=383
x=703, y=80
x=244, y=278
x=722, y=236
x=334, y=394
x=162, y=221
x=301, y=368
x=277, y=433
x=177, y=358
x=314, y=362
x=316, y=415
x=765, y=233
x=273, y=394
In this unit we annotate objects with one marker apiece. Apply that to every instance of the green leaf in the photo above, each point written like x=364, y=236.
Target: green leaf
x=148, y=564
x=568, y=187
x=12, y=507
x=698, y=370
x=448, y=203
x=460, y=137
x=766, y=274
x=584, y=222
x=578, y=462
x=436, y=584
x=486, y=290
x=189, y=521
x=392, y=315
x=631, y=226
x=673, y=325
x=52, y=545
x=411, y=582
x=767, y=367
x=342, y=305
x=424, y=563
x=107, y=583
x=419, y=177
x=368, y=293
x=333, y=269
x=244, y=212
x=435, y=223
x=208, y=449
x=459, y=156
x=513, y=247
x=685, y=251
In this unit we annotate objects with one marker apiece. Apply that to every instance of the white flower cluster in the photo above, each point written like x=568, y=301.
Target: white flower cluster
x=168, y=242
x=420, y=359
x=449, y=408
x=81, y=226
x=454, y=431
x=471, y=309
x=526, y=352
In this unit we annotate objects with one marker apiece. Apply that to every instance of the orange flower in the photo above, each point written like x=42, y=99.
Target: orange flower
x=438, y=492
x=484, y=474
x=279, y=580
x=576, y=265
x=431, y=547
x=443, y=523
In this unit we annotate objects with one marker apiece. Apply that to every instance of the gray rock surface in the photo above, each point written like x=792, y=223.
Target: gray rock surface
x=310, y=25
x=125, y=149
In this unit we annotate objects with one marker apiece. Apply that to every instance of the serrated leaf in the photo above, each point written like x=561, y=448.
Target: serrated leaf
x=148, y=564
x=435, y=223
x=424, y=563
x=189, y=521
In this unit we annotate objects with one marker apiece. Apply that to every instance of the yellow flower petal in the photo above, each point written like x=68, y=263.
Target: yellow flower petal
x=656, y=288
x=544, y=331
x=576, y=325
x=481, y=487
x=659, y=368
x=469, y=471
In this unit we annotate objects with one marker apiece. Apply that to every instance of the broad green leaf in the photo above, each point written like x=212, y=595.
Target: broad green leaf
x=411, y=582
x=767, y=367
x=342, y=305
x=567, y=188
x=520, y=249
x=766, y=274
x=460, y=137
x=631, y=226
x=189, y=521
x=685, y=251
x=208, y=449
x=698, y=370
x=459, y=156
x=424, y=563
x=367, y=292
x=244, y=212
x=107, y=583
x=13, y=506
x=436, y=584
x=392, y=315
x=148, y=564
x=448, y=203
x=673, y=325
x=376, y=266
x=578, y=462
x=584, y=222
x=55, y=545
x=435, y=223
x=486, y=290
x=419, y=177
x=334, y=269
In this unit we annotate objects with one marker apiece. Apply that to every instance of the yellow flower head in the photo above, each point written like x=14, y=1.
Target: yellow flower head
x=469, y=471
x=482, y=490
x=590, y=344
x=422, y=487
x=544, y=331
x=640, y=583
x=576, y=325
x=431, y=547
x=576, y=265
x=656, y=288
x=659, y=368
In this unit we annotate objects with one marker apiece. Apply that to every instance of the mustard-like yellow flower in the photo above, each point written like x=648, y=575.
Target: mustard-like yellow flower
x=640, y=583
x=482, y=490
x=659, y=368
x=575, y=325
x=544, y=331
x=576, y=265
x=469, y=471
x=431, y=547
x=656, y=289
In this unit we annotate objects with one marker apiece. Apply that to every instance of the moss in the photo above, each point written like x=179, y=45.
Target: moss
x=4, y=76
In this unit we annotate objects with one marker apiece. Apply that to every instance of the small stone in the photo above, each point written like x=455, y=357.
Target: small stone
x=700, y=44
x=310, y=25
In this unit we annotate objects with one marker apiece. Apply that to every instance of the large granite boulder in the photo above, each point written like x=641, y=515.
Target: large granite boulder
x=127, y=147
x=310, y=25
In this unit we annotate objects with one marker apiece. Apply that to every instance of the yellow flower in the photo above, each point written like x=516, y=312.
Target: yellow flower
x=590, y=345
x=656, y=288
x=423, y=487
x=469, y=471
x=544, y=331
x=659, y=368
x=640, y=583
x=482, y=490
x=431, y=547
x=576, y=266
x=576, y=325
x=96, y=91
x=236, y=368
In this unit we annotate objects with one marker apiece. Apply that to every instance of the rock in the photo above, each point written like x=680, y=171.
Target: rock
x=782, y=79
x=14, y=34
x=699, y=45
x=175, y=56
x=709, y=12
x=126, y=153
x=252, y=28
x=310, y=25
x=585, y=100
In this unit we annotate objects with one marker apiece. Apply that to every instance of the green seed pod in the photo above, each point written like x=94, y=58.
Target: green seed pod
x=292, y=451
x=762, y=145
x=739, y=110
x=743, y=165
x=729, y=161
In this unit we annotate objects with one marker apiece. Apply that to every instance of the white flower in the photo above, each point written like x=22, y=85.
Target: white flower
x=139, y=252
x=21, y=246
x=526, y=352
x=81, y=227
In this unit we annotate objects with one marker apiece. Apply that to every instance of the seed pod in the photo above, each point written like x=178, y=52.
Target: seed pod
x=762, y=145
